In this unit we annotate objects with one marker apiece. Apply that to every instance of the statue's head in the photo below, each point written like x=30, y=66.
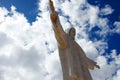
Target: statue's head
x=72, y=32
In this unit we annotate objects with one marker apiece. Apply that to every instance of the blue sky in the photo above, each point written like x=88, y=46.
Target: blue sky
x=29, y=8
x=113, y=40
x=28, y=45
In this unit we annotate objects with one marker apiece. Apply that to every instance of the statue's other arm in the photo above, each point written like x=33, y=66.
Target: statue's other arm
x=59, y=32
x=90, y=63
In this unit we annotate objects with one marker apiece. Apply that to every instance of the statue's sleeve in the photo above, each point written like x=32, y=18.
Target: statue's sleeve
x=58, y=30
x=90, y=63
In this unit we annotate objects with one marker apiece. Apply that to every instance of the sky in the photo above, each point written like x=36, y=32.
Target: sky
x=28, y=49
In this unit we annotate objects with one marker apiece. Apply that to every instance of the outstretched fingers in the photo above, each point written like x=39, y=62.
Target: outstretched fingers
x=53, y=14
x=52, y=9
x=97, y=66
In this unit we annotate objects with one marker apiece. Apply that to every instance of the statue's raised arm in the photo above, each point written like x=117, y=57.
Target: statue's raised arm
x=59, y=32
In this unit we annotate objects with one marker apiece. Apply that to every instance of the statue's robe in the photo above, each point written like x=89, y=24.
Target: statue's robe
x=73, y=60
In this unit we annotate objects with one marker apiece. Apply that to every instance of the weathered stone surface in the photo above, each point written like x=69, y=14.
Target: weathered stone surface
x=74, y=62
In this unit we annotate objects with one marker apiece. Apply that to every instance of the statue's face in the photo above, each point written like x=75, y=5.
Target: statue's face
x=72, y=32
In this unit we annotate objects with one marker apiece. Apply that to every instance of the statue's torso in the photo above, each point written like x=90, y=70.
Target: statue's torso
x=73, y=61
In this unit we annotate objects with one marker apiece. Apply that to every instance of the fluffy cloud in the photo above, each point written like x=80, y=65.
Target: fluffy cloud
x=117, y=28
x=4, y=12
x=117, y=77
x=109, y=69
x=29, y=52
x=106, y=11
x=20, y=51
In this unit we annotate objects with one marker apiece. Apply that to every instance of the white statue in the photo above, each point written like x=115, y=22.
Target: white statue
x=74, y=62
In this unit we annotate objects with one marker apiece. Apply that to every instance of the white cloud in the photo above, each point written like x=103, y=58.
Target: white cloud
x=108, y=70
x=117, y=27
x=107, y=10
x=18, y=49
x=4, y=39
x=29, y=52
x=43, y=5
x=117, y=77
x=3, y=13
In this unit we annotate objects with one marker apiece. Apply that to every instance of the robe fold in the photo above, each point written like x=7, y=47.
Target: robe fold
x=74, y=62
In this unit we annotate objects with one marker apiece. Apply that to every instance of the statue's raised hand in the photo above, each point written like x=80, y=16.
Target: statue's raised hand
x=53, y=14
x=52, y=9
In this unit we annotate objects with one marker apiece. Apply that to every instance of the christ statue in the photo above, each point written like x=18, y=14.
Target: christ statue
x=74, y=62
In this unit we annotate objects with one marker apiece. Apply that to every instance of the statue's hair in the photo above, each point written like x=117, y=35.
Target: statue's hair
x=68, y=31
